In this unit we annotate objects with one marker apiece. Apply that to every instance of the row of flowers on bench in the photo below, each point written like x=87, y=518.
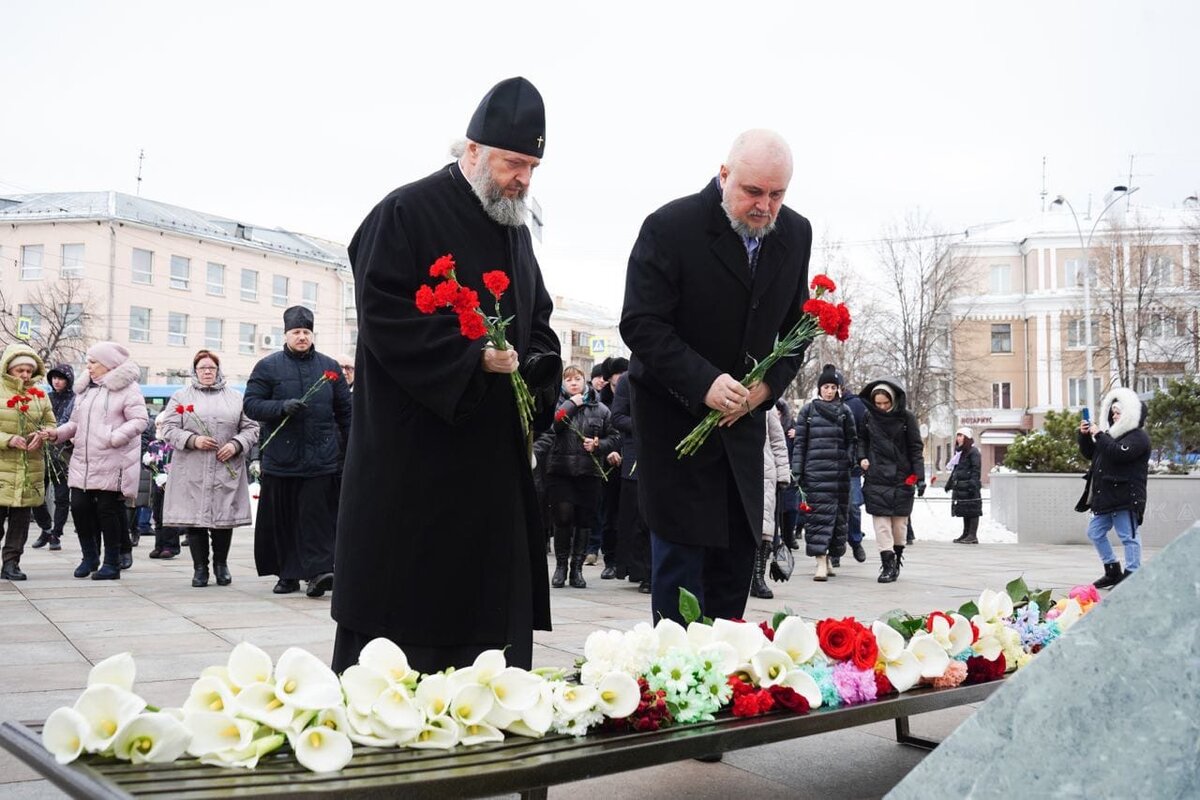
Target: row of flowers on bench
x=641, y=679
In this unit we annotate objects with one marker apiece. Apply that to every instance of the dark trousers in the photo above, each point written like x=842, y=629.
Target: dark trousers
x=294, y=535
x=610, y=524
x=62, y=507
x=16, y=521
x=633, y=545
x=99, y=519
x=856, y=500
x=198, y=544
x=718, y=576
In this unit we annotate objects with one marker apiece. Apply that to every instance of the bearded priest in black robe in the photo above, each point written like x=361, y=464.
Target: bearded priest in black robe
x=440, y=545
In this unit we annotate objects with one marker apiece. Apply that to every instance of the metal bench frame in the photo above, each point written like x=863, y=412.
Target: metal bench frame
x=527, y=766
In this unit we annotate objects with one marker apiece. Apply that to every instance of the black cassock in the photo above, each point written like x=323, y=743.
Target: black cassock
x=439, y=544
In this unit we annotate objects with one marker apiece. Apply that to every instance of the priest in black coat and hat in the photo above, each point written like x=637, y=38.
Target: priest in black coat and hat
x=713, y=279
x=440, y=546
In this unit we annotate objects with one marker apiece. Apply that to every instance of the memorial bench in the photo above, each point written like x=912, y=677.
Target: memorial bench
x=527, y=766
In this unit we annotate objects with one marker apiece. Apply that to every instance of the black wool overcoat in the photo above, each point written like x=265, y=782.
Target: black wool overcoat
x=437, y=494
x=891, y=442
x=693, y=311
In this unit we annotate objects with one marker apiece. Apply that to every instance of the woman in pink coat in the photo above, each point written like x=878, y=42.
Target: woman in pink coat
x=106, y=428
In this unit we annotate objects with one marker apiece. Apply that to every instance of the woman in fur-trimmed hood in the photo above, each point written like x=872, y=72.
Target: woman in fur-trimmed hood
x=1115, y=484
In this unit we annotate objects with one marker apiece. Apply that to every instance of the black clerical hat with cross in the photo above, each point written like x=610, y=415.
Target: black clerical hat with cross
x=511, y=116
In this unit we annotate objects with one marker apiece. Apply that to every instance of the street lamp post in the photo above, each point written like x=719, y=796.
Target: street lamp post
x=1085, y=244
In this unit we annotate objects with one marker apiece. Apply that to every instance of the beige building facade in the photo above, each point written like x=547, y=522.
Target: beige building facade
x=1018, y=333
x=165, y=281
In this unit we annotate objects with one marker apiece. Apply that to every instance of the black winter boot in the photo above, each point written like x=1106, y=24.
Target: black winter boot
x=562, y=555
x=899, y=550
x=578, y=554
x=1112, y=576
x=758, y=586
x=887, y=570
x=110, y=570
x=90, y=548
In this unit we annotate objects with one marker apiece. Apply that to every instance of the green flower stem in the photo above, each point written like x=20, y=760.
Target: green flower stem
x=303, y=399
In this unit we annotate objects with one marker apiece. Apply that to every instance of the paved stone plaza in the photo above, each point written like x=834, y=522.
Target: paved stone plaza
x=56, y=627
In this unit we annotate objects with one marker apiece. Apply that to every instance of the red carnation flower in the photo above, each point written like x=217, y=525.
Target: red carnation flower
x=823, y=282
x=36, y=392
x=445, y=293
x=191, y=409
x=843, y=325
x=866, y=650
x=331, y=375
x=805, y=507
x=471, y=325
x=426, y=303
x=560, y=415
x=980, y=670
x=790, y=699
x=12, y=402
x=179, y=409
x=911, y=480
x=496, y=282
x=837, y=638
x=814, y=306
x=829, y=319
x=24, y=408
x=442, y=267
x=882, y=685
x=465, y=300
x=767, y=630
x=740, y=687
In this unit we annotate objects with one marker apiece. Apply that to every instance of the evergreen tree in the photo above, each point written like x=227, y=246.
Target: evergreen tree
x=1054, y=448
x=1173, y=421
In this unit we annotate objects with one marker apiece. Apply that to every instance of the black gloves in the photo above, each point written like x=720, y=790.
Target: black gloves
x=292, y=405
x=920, y=488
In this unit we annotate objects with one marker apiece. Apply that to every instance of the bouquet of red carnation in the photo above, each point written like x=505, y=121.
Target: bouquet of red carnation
x=328, y=376
x=820, y=316
x=474, y=324
x=27, y=423
x=183, y=411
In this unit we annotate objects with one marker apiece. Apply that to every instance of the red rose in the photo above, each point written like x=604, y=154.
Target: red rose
x=179, y=409
x=426, y=303
x=465, y=300
x=911, y=480
x=823, y=282
x=767, y=630
x=445, y=292
x=790, y=699
x=866, y=650
x=560, y=415
x=929, y=622
x=837, y=638
x=442, y=267
x=191, y=409
x=882, y=685
x=980, y=670
x=471, y=325
x=805, y=507
x=331, y=375
x=496, y=282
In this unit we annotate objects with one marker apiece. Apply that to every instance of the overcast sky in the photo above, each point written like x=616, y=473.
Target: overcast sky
x=303, y=115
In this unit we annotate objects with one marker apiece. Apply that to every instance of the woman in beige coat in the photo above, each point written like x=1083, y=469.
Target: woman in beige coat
x=206, y=491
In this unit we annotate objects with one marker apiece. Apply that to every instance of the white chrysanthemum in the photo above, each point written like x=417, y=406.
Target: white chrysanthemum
x=718, y=657
x=152, y=739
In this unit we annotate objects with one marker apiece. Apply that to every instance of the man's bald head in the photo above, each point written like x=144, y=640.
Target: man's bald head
x=754, y=180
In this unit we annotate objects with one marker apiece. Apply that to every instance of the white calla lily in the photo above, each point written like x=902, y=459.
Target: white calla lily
x=217, y=731
x=220, y=672
x=322, y=749
x=987, y=646
x=798, y=638
x=257, y=701
x=770, y=666
x=804, y=685
x=961, y=634
x=248, y=664
x=433, y=696
x=929, y=654
x=618, y=695
x=363, y=686
x=720, y=654
x=106, y=709
x=746, y=639
x=211, y=694
x=63, y=734
x=538, y=718
x=516, y=689
x=360, y=731
x=118, y=670
x=573, y=699
x=471, y=704
x=301, y=721
x=247, y=757
x=671, y=636
x=994, y=605
x=439, y=733
x=304, y=681
x=501, y=717
x=699, y=635
x=480, y=732
x=488, y=665
x=385, y=657
x=152, y=739
x=334, y=719
x=398, y=712
x=902, y=668
x=889, y=640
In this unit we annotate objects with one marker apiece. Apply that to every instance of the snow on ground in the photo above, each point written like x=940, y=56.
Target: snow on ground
x=932, y=522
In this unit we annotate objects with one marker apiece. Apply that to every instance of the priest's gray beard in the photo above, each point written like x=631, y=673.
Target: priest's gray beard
x=744, y=230
x=511, y=211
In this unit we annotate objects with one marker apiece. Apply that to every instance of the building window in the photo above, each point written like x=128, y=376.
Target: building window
x=1002, y=338
x=1073, y=271
x=308, y=295
x=250, y=285
x=1075, y=390
x=1001, y=279
x=1164, y=325
x=581, y=339
x=1161, y=271
x=31, y=262
x=143, y=266
x=1075, y=333
x=177, y=325
x=279, y=290
x=34, y=315
x=72, y=261
x=181, y=272
x=353, y=338
x=139, y=324
x=214, y=332
x=1002, y=395
x=72, y=317
x=246, y=334
x=1155, y=383
x=214, y=282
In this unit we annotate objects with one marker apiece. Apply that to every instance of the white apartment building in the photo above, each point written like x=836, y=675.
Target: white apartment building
x=588, y=333
x=166, y=281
